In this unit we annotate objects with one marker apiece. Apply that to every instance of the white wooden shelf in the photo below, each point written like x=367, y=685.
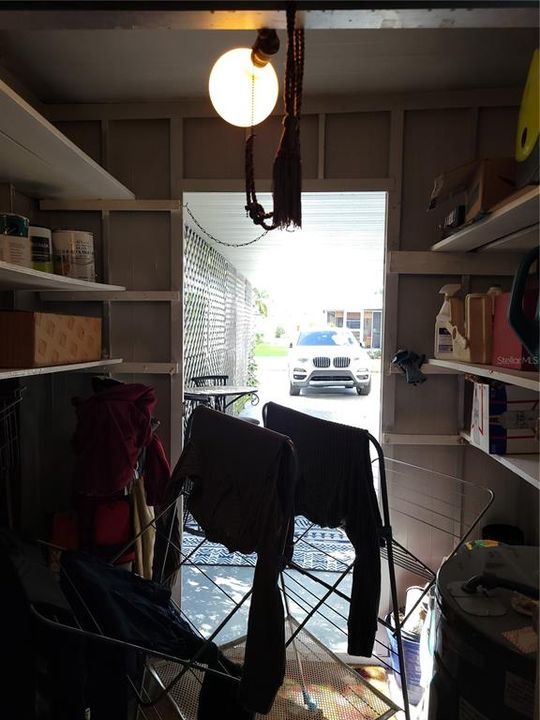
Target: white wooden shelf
x=420, y=439
x=521, y=378
x=147, y=368
x=8, y=373
x=138, y=205
x=511, y=226
x=104, y=295
x=417, y=262
x=526, y=466
x=42, y=162
x=427, y=368
x=16, y=277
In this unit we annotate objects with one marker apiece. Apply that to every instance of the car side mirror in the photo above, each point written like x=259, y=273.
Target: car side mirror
x=290, y=346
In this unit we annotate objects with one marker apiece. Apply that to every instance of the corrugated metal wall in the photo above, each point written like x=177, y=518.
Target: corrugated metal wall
x=218, y=313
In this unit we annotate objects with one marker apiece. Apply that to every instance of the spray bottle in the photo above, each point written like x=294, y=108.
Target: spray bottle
x=449, y=317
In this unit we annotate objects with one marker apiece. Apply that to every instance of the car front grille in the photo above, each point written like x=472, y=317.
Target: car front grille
x=321, y=362
x=322, y=377
x=342, y=362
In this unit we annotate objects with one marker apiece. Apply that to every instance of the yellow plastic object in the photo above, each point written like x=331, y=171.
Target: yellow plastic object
x=529, y=113
x=481, y=543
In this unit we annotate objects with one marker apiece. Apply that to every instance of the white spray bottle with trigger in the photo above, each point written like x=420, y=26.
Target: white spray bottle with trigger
x=449, y=316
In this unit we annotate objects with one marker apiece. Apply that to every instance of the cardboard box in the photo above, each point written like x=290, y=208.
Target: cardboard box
x=479, y=185
x=507, y=349
x=504, y=419
x=32, y=339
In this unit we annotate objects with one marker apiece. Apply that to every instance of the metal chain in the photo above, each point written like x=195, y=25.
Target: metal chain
x=217, y=240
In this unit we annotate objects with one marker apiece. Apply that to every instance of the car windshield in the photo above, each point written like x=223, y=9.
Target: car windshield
x=327, y=337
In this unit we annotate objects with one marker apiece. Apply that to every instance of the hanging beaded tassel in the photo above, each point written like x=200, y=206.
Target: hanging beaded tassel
x=287, y=174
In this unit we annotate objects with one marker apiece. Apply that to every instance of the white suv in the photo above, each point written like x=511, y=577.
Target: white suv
x=331, y=357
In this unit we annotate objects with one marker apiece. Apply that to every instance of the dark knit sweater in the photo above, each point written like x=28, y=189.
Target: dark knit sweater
x=243, y=488
x=335, y=489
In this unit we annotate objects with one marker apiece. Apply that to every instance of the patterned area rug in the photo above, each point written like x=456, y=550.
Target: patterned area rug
x=322, y=549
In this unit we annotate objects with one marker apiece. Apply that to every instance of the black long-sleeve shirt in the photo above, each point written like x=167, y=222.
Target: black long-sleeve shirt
x=335, y=489
x=243, y=488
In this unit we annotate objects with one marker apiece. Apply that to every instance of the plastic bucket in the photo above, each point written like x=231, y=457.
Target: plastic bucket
x=74, y=254
x=41, y=245
x=411, y=656
x=14, y=242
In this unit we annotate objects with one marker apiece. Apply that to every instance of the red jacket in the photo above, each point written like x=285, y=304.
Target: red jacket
x=113, y=426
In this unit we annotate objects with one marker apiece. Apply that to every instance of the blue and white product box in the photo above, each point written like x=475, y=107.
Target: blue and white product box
x=504, y=419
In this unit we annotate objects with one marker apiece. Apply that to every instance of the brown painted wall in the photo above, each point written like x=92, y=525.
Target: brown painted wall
x=158, y=150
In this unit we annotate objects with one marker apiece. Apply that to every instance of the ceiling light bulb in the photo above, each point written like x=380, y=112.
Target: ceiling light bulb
x=242, y=93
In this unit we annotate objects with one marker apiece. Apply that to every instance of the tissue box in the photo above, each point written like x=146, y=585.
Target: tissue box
x=504, y=419
x=33, y=339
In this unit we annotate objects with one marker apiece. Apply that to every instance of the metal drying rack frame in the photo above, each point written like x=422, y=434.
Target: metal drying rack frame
x=440, y=514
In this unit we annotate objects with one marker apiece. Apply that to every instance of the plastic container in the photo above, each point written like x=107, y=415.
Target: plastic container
x=74, y=254
x=411, y=652
x=41, y=246
x=14, y=241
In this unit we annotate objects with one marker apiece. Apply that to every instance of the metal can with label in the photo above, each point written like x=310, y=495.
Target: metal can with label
x=14, y=241
x=74, y=254
x=41, y=244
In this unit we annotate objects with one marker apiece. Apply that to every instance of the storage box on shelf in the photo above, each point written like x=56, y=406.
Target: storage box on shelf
x=502, y=419
x=477, y=187
x=36, y=339
x=510, y=226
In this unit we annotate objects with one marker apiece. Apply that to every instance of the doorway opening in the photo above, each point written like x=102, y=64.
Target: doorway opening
x=252, y=311
x=244, y=306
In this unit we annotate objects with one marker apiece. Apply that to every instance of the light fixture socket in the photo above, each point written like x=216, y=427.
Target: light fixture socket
x=266, y=45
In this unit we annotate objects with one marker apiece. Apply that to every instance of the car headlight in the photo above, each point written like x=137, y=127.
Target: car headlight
x=302, y=360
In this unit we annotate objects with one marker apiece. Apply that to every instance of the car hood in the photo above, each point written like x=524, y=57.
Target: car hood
x=311, y=351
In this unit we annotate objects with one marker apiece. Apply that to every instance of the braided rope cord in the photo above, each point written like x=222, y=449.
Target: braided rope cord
x=294, y=71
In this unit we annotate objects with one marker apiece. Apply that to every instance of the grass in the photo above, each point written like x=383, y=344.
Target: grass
x=267, y=350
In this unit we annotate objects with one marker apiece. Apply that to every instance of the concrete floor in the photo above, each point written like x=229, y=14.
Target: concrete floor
x=205, y=603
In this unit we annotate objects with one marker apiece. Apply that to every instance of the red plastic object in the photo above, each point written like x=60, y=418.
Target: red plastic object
x=507, y=350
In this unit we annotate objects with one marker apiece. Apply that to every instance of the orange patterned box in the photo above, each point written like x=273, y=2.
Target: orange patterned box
x=33, y=339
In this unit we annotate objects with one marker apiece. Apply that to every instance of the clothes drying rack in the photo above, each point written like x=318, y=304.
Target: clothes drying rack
x=435, y=514
x=437, y=517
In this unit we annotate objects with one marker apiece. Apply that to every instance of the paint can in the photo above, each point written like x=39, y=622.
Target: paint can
x=14, y=241
x=74, y=254
x=41, y=245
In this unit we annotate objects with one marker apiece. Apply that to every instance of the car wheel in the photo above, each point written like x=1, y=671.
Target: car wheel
x=293, y=390
x=365, y=390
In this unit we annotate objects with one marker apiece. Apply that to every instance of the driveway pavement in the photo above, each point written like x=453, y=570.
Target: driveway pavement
x=338, y=404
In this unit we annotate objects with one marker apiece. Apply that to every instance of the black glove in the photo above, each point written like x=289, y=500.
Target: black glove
x=410, y=362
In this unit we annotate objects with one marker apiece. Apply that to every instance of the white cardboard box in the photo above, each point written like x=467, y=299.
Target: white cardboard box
x=504, y=419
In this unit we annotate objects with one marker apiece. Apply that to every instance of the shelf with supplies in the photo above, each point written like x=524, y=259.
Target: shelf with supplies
x=521, y=378
x=42, y=162
x=510, y=226
x=17, y=277
x=9, y=373
x=526, y=466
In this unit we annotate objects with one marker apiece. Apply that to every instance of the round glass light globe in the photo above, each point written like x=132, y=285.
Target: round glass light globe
x=242, y=93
